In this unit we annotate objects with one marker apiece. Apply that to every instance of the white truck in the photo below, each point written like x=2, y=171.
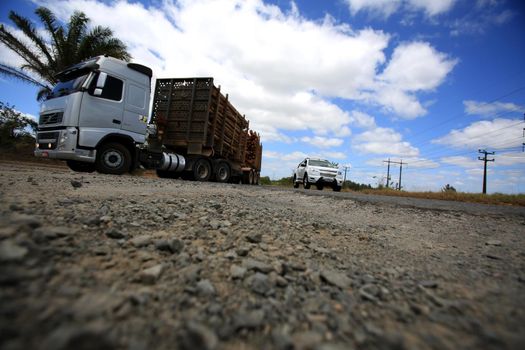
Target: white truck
x=318, y=172
x=96, y=118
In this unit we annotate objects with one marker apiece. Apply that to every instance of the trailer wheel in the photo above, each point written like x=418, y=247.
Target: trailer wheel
x=306, y=184
x=201, y=170
x=81, y=167
x=223, y=173
x=113, y=158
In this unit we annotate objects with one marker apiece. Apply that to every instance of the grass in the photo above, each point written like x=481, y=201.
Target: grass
x=495, y=198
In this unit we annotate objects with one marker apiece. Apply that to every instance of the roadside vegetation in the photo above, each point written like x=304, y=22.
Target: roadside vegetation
x=448, y=193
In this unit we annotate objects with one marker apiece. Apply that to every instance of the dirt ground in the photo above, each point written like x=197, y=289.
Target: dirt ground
x=98, y=261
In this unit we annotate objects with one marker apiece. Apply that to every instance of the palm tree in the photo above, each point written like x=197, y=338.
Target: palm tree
x=68, y=45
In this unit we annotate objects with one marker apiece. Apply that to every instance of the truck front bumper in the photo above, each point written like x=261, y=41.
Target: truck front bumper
x=62, y=144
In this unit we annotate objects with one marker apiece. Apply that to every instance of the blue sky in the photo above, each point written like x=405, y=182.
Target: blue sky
x=355, y=81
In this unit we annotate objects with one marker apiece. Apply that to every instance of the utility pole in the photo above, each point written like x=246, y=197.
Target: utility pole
x=387, y=172
x=485, y=160
x=344, y=179
x=400, y=172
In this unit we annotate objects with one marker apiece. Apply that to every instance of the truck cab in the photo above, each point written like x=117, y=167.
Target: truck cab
x=96, y=115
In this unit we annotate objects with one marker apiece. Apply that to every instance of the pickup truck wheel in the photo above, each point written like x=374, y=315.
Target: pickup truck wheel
x=223, y=173
x=202, y=170
x=82, y=167
x=113, y=158
x=306, y=184
x=319, y=187
x=295, y=183
x=337, y=188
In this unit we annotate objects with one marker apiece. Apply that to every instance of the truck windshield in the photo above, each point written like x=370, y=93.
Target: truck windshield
x=69, y=83
x=323, y=163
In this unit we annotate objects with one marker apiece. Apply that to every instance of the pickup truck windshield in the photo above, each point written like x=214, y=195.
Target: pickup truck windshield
x=69, y=83
x=323, y=163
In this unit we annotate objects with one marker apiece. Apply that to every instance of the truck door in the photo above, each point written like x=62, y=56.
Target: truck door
x=300, y=170
x=135, y=109
x=101, y=109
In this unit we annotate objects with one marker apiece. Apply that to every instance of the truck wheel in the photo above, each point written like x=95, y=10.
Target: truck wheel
x=223, y=173
x=295, y=183
x=306, y=184
x=113, y=158
x=82, y=167
x=201, y=170
x=320, y=187
x=337, y=188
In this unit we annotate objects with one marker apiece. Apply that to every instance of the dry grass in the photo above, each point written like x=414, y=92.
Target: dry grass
x=495, y=198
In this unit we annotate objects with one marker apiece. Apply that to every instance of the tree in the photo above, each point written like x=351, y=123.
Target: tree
x=14, y=126
x=68, y=45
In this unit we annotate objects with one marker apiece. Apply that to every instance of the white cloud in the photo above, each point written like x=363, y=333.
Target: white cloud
x=510, y=158
x=495, y=134
x=411, y=162
x=383, y=141
x=415, y=66
x=490, y=109
x=388, y=7
x=322, y=142
x=362, y=120
x=279, y=68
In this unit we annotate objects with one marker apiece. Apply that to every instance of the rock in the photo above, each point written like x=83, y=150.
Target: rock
x=369, y=292
x=254, y=237
x=10, y=251
x=493, y=242
x=78, y=337
x=151, y=275
x=25, y=220
x=259, y=283
x=15, y=207
x=205, y=288
x=96, y=304
x=140, y=241
x=243, y=251
x=237, y=272
x=249, y=319
x=76, y=184
x=306, y=340
x=335, y=278
x=197, y=336
x=428, y=284
x=53, y=232
x=115, y=234
x=255, y=265
x=493, y=256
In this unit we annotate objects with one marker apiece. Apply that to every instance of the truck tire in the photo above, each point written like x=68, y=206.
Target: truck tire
x=245, y=180
x=113, y=158
x=306, y=184
x=81, y=167
x=201, y=170
x=295, y=183
x=337, y=188
x=319, y=187
x=223, y=173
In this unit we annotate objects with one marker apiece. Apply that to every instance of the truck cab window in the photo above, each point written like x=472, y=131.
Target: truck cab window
x=112, y=89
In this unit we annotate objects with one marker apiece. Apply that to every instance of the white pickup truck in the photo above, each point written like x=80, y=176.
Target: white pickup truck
x=318, y=172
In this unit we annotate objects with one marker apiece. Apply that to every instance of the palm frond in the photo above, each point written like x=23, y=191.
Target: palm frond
x=29, y=30
x=18, y=74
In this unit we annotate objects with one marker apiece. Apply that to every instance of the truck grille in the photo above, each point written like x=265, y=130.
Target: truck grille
x=51, y=118
x=47, y=140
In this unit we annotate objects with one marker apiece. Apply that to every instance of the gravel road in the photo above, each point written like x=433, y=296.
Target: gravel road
x=91, y=261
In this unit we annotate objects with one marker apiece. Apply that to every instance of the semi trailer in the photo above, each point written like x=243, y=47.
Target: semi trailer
x=97, y=118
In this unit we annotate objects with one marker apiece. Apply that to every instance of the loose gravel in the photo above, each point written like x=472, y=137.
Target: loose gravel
x=109, y=262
